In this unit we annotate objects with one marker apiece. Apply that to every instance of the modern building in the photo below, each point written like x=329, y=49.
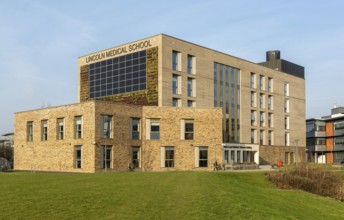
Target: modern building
x=255, y=111
x=325, y=138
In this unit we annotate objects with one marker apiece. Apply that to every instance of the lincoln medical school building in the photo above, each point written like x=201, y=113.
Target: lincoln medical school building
x=162, y=103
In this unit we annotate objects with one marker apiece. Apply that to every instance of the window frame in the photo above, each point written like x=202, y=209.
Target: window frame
x=44, y=130
x=78, y=127
x=29, y=130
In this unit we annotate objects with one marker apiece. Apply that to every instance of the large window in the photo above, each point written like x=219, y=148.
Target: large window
x=135, y=128
x=286, y=106
x=253, y=118
x=106, y=126
x=339, y=125
x=253, y=99
x=262, y=119
x=261, y=137
x=189, y=130
x=270, y=102
x=106, y=156
x=78, y=127
x=286, y=139
x=29, y=128
x=191, y=103
x=77, y=157
x=253, y=80
x=175, y=84
x=175, y=60
x=60, y=128
x=191, y=91
x=44, y=126
x=169, y=156
x=261, y=82
x=253, y=136
x=261, y=100
x=270, y=120
x=286, y=122
x=270, y=84
x=154, y=129
x=203, y=156
x=118, y=75
x=191, y=61
x=286, y=89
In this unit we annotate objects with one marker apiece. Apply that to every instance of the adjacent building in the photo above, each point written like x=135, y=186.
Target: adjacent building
x=236, y=111
x=325, y=138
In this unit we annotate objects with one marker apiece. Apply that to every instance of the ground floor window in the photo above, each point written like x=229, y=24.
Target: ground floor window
x=167, y=156
x=135, y=156
x=77, y=156
x=338, y=157
x=106, y=156
x=203, y=156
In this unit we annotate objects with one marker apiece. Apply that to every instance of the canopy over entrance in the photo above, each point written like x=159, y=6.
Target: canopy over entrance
x=240, y=153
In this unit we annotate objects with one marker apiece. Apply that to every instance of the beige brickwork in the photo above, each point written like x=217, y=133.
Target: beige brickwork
x=58, y=155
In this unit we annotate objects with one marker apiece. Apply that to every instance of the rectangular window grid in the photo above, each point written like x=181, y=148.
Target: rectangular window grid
x=118, y=75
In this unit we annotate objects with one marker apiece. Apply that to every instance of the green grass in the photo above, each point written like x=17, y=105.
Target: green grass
x=170, y=195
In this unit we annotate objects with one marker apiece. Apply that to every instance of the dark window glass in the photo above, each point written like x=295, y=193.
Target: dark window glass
x=127, y=72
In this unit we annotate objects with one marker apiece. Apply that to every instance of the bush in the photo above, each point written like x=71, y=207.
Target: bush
x=310, y=178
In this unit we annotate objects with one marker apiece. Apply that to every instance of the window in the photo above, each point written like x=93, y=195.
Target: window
x=135, y=128
x=261, y=82
x=286, y=89
x=44, y=126
x=261, y=139
x=270, y=84
x=191, y=103
x=29, y=127
x=253, y=99
x=60, y=128
x=270, y=120
x=175, y=102
x=253, y=118
x=191, y=61
x=270, y=102
x=270, y=137
x=339, y=141
x=191, y=91
x=286, y=139
x=253, y=80
x=261, y=116
x=203, y=156
x=106, y=126
x=339, y=125
x=106, y=156
x=169, y=156
x=78, y=127
x=175, y=60
x=135, y=156
x=261, y=100
x=286, y=122
x=189, y=130
x=155, y=129
x=175, y=84
x=253, y=136
x=286, y=106
x=77, y=157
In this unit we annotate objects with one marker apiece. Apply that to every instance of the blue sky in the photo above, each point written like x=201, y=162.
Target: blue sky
x=41, y=40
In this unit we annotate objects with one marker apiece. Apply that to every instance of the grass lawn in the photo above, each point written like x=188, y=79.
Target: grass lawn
x=170, y=195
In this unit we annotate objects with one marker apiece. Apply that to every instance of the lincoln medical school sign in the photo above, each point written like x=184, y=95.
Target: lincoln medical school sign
x=118, y=51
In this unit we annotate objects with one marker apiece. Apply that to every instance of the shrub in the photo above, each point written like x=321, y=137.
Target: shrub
x=310, y=178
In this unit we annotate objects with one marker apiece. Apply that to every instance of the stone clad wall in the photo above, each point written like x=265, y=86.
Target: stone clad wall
x=54, y=154
x=271, y=154
x=207, y=132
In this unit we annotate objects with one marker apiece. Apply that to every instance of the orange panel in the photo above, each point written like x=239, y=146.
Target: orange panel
x=329, y=129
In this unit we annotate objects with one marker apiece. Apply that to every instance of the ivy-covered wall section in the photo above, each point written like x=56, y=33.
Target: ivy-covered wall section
x=148, y=97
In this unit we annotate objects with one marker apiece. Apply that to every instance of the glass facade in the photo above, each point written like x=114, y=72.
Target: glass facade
x=227, y=96
x=118, y=75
